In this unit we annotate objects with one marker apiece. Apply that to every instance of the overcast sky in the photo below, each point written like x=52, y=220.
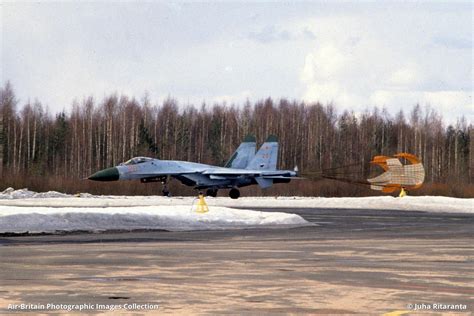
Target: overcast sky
x=353, y=54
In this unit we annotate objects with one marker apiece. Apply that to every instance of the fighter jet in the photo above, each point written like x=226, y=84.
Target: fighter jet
x=244, y=168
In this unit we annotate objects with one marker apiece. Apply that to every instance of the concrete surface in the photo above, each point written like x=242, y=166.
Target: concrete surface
x=350, y=261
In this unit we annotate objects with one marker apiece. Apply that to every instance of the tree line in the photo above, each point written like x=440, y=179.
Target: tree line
x=92, y=135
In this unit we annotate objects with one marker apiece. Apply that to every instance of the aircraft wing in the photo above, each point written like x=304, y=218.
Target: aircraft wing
x=246, y=172
x=168, y=173
x=229, y=172
x=151, y=174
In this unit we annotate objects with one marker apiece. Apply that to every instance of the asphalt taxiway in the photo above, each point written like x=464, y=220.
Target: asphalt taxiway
x=349, y=261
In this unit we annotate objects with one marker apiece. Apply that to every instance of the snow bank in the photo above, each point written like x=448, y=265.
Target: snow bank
x=176, y=218
x=24, y=210
x=25, y=198
x=11, y=193
x=407, y=203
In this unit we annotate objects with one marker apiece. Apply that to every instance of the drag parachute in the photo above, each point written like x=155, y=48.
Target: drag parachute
x=396, y=175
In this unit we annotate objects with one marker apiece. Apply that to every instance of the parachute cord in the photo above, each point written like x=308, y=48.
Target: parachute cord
x=324, y=171
x=337, y=170
x=344, y=173
x=365, y=183
x=334, y=173
x=344, y=166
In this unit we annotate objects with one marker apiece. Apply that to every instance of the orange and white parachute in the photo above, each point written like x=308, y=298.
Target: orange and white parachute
x=397, y=176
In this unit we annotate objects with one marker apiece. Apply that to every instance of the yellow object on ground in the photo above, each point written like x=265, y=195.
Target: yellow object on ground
x=402, y=193
x=202, y=205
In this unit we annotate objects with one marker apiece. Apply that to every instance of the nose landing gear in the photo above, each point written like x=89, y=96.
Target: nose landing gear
x=165, y=191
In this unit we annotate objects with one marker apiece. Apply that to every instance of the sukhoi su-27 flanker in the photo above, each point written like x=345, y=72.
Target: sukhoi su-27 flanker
x=245, y=167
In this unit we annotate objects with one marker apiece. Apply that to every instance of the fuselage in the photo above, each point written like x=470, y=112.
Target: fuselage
x=194, y=174
x=245, y=167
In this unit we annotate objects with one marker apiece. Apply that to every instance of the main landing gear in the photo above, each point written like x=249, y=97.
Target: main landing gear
x=234, y=193
x=211, y=192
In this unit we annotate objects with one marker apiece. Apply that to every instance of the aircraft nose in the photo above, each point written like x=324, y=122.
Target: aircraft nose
x=109, y=174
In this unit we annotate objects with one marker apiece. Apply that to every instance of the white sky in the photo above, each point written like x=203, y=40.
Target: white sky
x=353, y=54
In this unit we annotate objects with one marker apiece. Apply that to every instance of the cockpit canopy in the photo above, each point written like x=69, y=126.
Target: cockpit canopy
x=137, y=160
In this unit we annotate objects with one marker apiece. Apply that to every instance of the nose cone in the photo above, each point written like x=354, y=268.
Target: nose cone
x=109, y=174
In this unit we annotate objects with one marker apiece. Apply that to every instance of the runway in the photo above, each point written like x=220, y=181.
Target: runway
x=349, y=261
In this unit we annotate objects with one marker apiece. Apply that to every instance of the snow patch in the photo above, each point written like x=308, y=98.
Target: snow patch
x=10, y=194
x=27, y=198
x=24, y=210
x=177, y=218
x=439, y=204
x=28, y=211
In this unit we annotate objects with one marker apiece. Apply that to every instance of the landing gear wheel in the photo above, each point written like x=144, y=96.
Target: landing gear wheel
x=211, y=192
x=234, y=193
